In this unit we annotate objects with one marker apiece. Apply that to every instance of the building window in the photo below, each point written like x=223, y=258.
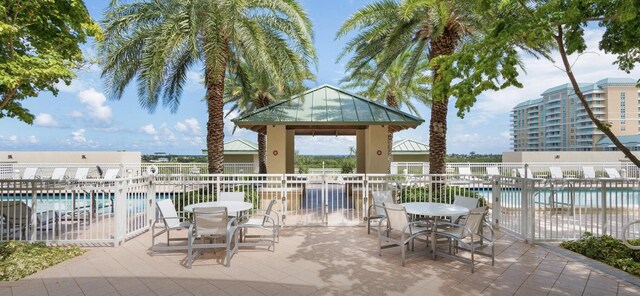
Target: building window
x=623, y=107
x=623, y=128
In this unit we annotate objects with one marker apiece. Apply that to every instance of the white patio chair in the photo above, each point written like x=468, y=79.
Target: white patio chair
x=470, y=236
x=59, y=174
x=463, y=201
x=166, y=212
x=401, y=231
x=493, y=171
x=530, y=175
x=376, y=210
x=212, y=224
x=231, y=196
x=589, y=172
x=17, y=216
x=267, y=221
x=466, y=174
x=111, y=174
x=30, y=174
x=556, y=173
x=81, y=174
x=613, y=173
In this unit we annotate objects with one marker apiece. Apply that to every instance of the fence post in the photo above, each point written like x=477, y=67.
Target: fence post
x=603, y=202
x=33, y=228
x=425, y=168
x=394, y=168
x=284, y=198
x=151, y=200
x=497, y=206
x=119, y=213
x=524, y=215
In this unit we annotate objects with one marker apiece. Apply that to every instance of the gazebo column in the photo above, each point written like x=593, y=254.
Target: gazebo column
x=377, y=149
x=276, y=149
x=291, y=146
x=361, y=162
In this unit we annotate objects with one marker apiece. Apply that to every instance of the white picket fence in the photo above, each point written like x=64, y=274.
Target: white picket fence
x=111, y=211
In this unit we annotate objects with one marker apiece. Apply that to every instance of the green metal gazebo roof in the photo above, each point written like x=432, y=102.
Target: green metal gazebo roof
x=409, y=147
x=238, y=146
x=327, y=110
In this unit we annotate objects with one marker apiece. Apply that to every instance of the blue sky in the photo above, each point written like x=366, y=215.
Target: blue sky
x=81, y=117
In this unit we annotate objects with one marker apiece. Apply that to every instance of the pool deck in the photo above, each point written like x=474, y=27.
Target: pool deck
x=319, y=261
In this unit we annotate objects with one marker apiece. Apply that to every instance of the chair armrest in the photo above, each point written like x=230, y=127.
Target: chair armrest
x=404, y=229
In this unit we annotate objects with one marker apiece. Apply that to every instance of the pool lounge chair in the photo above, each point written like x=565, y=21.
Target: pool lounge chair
x=59, y=174
x=30, y=174
x=589, y=172
x=556, y=173
x=493, y=171
x=530, y=175
x=111, y=174
x=613, y=173
x=81, y=174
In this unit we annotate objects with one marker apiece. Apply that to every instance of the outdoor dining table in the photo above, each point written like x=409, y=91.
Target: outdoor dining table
x=434, y=210
x=233, y=207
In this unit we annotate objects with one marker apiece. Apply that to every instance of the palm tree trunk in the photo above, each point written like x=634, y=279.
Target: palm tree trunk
x=443, y=45
x=262, y=101
x=214, y=80
x=603, y=127
x=393, y=103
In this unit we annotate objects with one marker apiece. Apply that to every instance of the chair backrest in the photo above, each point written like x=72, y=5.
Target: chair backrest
x=379, y=198
x=231, y=196
x=81, y=173
x=493, y=171
x=464, y=170
x=556, y=172
x=613, y=173
x=111, y=174
x=210, y=221
x=396, y=216
x=29, y=173
x=589, y=172
x=474, y=220
x=168, y=210
x=467, y=202
x=267, y=212
x=15, y=212
x=58, y=174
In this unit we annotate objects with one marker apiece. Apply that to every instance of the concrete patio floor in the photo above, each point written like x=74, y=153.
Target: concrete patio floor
x=318, y=261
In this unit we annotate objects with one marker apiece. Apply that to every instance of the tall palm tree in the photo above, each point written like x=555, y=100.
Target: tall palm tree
x=428, y=29
x=390, y=87
x=156, y=42
x=257, y=89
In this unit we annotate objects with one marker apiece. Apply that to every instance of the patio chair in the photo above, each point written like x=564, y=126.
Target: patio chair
x=111, y=174
x=17, y=216
x=81, y=173
x=493, y=171
x=401, y=231
x=530, y=175
x=59, y=174
x=231, y=196
x=589, y=172
x=466, y=174
x=261, y=220
x=212, y=224
x=470, y=236
x=379, y=198
x=613, y=173
x=30, y=174
x=166, y=212
x=463, y=201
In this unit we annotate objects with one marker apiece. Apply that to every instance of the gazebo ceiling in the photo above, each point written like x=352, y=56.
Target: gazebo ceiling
x=327, y=110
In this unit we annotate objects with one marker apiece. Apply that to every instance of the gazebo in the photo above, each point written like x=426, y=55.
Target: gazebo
x=328, y=111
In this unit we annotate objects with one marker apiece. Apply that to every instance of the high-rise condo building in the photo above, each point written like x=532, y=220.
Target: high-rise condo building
x=557, y=121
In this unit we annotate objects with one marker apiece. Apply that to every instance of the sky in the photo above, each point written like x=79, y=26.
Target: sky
x=81, y=117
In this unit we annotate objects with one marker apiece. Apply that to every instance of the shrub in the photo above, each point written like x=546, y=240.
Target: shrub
x=444, y=194
x=608, y=250
x=20, y=259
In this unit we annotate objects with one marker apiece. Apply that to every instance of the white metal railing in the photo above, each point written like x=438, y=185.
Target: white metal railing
x=111, y=211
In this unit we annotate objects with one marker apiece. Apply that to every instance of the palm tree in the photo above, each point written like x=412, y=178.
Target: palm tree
x=157, y=42
x=427, y=29
x=390, y=86
x=257, y=89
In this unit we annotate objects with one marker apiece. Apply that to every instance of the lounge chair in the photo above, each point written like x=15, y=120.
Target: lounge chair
x=17, y=216
x=111, y=174
x=493, y=171
x=376, y=210
x=231, y=196
x=261, y=221
x=556, y=173
x=401, y=230
x=81, y=174
x=166, y=212
x=59, y=174
x=613, y=173
x=589, y=172
x=212, y=224
x=469, y=235
x=30, y=174
x=530, y=175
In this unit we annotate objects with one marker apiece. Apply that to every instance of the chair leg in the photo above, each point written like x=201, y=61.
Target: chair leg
x=473, y=265
x=368, y=226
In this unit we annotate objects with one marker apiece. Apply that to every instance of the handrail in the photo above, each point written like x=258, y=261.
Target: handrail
x=624, y=236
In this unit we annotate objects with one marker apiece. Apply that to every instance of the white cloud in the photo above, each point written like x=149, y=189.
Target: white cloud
x=164, y=135
x=149, y=129
x=78, y=136
x=94, y=102
x=76, y=114
x=33, y=139
x=229, y=125
x=45, y=120
x=13, y=138
x=189, y=126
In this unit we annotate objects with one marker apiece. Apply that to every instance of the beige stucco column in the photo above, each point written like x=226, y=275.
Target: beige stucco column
x=291, y=146
x=276, y=149
x=361, y=166
x=377, y=150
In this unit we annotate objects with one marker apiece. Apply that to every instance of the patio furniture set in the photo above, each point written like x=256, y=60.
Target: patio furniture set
x=223, y=224
x=462, y=225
